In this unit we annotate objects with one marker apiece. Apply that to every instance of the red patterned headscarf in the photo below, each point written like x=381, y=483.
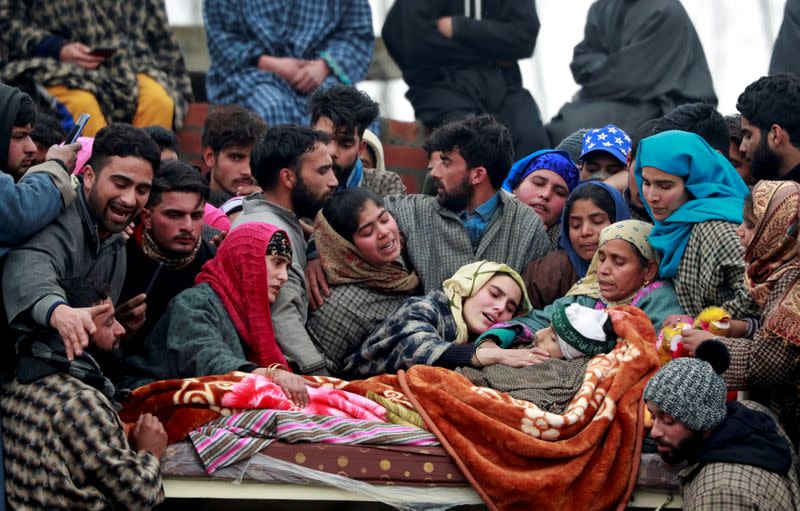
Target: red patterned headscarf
x=238, y=274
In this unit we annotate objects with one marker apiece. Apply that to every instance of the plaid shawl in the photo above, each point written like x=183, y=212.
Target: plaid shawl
x=239, y=31
x=138, y=29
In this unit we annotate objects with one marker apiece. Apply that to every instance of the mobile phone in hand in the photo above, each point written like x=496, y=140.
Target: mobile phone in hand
x=76, y=130
x=103, y=51
x=153, y=279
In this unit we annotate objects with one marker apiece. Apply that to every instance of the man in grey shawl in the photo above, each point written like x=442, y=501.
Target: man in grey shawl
x=470, y=219
x=637, y=61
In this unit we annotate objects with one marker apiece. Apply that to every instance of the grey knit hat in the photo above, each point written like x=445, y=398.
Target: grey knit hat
x=691, y=390
x=573, y=144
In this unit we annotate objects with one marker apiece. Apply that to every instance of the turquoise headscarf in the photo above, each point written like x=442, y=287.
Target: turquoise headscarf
x=717, y=192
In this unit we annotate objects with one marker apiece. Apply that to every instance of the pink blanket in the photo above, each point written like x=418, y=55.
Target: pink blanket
x=256, y=391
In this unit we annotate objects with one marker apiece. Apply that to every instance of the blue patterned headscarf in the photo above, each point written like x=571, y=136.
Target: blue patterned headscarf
x=621, y=212
x=716, y=190
x=547, y=159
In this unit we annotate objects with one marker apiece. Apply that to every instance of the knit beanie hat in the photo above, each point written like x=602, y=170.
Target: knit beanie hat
x=691, y=390
x=582, y=331
x=573, y=144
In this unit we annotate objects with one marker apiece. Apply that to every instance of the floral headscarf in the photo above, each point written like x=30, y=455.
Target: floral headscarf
x=634, y=232
x=773, y=252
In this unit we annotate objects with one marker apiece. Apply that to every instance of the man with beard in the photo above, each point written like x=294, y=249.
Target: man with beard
x=470, y=218
x=29, y=198
x=85, y=240
x=78, y=455
x=737, y=455
x=770, y=109
x=166, y=252
x=344, y=112
x=294, y=168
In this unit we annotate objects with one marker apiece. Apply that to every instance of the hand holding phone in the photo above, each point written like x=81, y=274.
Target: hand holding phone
x=103, y=51
x=76, y=130
x=153, y=279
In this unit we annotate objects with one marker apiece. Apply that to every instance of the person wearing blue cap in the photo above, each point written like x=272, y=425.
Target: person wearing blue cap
x=695, y=197
x=604, y=153
x=543, y=180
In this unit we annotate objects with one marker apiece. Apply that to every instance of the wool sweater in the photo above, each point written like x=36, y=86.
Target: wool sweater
x=420, y=331
x=438, y=243
x=346, y=319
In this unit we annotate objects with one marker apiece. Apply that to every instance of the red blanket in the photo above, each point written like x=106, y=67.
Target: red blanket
x=181, y=405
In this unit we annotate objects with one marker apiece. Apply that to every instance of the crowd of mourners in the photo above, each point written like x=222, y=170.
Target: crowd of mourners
x=298, y=252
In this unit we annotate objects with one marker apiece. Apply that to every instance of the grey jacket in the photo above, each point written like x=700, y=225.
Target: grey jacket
x=67, y=248
x=290, y=310
x=438, y=243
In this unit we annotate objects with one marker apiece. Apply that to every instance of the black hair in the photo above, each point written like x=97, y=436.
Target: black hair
x=699, y=118
x=347, y=107
x=343, y=208
x=599, y=197
x=177, y=176
x=481, y=141
x=608, y=329
x=27, y=113
x=123, y=140
x=232, y=125
x=773, y=100
x=643, y=131
x=47, y=130
x=84, y=292
x=164, y=138
x=735, y=134
x=282, y=147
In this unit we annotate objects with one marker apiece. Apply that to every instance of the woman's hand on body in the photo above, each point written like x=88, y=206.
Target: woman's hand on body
x=293, y=385
x=488, y=354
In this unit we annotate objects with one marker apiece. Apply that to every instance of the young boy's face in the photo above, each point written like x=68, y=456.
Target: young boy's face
x=600, y=165
x=546, y=340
